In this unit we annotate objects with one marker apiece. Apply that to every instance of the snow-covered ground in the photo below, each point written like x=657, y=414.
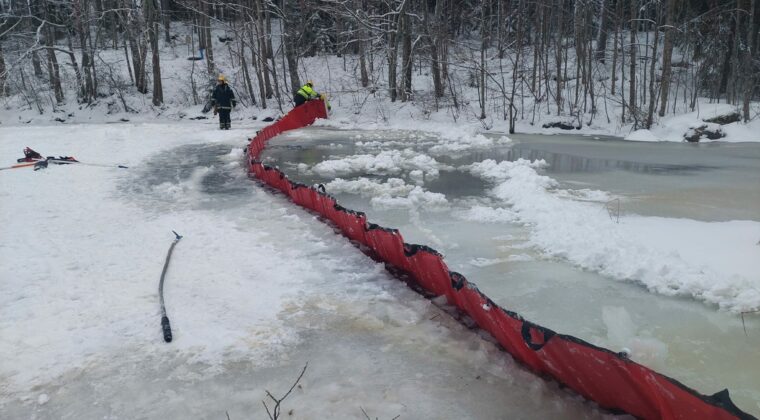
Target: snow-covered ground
x=255, y=290
x=186, y=84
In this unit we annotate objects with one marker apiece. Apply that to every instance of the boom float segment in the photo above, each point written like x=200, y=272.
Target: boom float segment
x=601, y=375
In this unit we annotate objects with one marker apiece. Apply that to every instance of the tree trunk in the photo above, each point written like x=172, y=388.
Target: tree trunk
x=443, y=45
x=546, y=11
x=652, y=100
x=93, y=51
x=560, y=20
x=393, y=55
x=54, y=73
x=80, y=25
x=579, y=32
x=246, y=73
x=152, y=19
x=518, y=65
x=126, y=58
x=604, y=29
x=256, y=63
x=263, y=49
x=589, y=87
x=138, y=49
x=632, y=63
x=536, y=49
x=3, y=72
x=729, y=56
x=750, y=77
x=166, y=17
x=618, y=19
x=620, y=15
x=291, y=55
x=75, y=66
x=291, y=50
x=435, y=53
x=406, y=59
x=363, y=74
x=667, y=56
x=53, y=67
x=205, y=18
x=36, y=64
x=272, y=57
x=734, y=79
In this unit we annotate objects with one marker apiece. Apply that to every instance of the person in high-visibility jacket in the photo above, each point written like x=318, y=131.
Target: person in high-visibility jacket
x=306, y=93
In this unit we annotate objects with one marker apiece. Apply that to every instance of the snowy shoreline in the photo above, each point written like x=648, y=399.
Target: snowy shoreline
x=80, y=323
x=84, y=245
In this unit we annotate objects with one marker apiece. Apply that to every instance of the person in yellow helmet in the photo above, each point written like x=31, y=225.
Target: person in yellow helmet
x=224, y=102
x=306, y=93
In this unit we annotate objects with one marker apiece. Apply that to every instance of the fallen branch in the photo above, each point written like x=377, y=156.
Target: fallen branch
x=275, y=413
x=743, y=324
x=366, y=416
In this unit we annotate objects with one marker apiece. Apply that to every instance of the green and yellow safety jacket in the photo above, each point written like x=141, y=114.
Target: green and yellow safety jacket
x=307, y=92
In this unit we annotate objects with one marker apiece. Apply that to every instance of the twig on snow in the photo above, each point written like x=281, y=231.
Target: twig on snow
x=275, y=413
x=743, y=324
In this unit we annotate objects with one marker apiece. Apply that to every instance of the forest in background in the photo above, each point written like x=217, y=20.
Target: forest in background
x=645, y=58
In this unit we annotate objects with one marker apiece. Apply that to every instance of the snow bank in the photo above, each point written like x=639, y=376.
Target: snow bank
x=370, y=188
x=712, y=262
x=387, y=162
x=391, y=194
x=417, y=198
x=444, y=137
x=452, y=144
x=673, y=128
x=642, y=135
x=186, y=85
x=480, y=213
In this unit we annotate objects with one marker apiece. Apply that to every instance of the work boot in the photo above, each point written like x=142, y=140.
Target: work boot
x=221, y=126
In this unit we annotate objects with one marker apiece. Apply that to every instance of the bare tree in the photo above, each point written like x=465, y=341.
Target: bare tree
x=137, y=46
x=667, y=55
x=653, y=66
x=82, y=30
x=750, y=57
x=3, y=72
x=559, y=51
x=406, y=57
x=152, y=18
x=632, y=61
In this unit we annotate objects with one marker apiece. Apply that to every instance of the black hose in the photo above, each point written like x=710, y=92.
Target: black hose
x=165, y=326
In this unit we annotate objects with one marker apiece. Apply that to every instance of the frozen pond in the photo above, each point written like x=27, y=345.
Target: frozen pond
x=703, y=181
x=256, y=289
x=637, y=288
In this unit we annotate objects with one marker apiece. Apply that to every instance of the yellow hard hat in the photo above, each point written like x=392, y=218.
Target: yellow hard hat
x=310, y=82
x=220, y=78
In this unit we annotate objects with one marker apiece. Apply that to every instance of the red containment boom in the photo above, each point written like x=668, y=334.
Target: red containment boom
x=601, y=375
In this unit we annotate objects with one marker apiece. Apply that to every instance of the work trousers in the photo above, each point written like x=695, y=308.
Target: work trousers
x=224, y=118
